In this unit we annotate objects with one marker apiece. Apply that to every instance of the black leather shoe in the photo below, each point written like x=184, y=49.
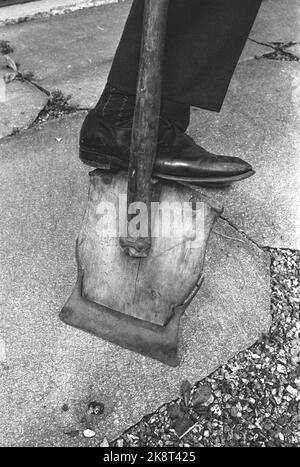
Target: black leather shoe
x=179, y=158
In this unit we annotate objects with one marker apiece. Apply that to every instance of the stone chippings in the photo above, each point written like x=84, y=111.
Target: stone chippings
x=255, y=397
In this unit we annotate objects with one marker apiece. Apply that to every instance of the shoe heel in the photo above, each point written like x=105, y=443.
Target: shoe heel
x=99, y=161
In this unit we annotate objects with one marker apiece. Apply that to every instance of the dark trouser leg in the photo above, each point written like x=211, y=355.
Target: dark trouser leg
x=204, y=41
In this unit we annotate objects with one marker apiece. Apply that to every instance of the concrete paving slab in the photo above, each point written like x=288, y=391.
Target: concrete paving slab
x=76, y=59
x=260, y=122
x=72, y=52
x=253, y=50
x=277, y=21
x=295, y=50
x=43, y=193
x=19, y=106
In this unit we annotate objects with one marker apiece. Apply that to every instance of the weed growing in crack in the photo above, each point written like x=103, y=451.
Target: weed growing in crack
x=5, y=48
x=282, y=56
x=14, y=72
x=57, y=105
x=281, y=53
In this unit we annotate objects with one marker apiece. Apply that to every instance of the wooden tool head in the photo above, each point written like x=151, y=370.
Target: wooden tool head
x=137, y=302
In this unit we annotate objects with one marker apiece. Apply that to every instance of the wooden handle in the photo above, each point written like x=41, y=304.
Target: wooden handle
x=146, y=119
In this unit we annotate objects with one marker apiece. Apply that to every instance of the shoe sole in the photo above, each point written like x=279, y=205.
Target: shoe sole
x=113, y=164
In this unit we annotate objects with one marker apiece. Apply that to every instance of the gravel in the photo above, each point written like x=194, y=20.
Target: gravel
x=255, y=397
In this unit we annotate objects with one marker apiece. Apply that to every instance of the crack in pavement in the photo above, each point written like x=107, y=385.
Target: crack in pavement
x=56, y=106
x=280, y=51
x=242, y=232
x=265, y=248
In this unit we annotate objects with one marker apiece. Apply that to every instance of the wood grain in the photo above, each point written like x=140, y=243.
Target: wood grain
x=145, y=288
x=146, y=115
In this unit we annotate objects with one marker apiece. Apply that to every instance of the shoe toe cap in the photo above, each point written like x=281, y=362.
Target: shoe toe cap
x=238, y=166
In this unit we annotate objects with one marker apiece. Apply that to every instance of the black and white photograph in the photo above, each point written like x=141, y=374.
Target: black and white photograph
x=149, y=227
